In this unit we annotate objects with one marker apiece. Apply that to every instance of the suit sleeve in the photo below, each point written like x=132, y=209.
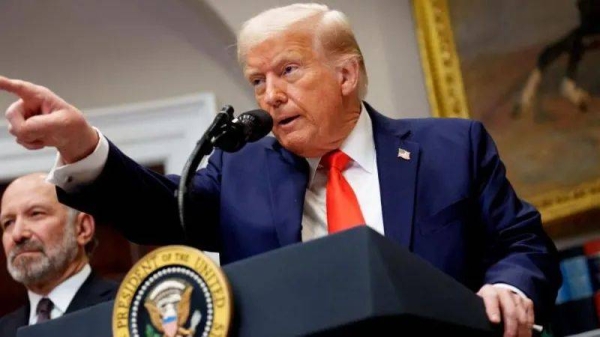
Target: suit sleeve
x=519, y=252
x=143, y=205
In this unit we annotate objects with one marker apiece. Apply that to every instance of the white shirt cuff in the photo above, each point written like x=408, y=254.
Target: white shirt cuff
x=512, y=288
x=70, y=176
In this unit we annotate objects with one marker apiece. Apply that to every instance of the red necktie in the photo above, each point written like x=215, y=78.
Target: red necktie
x=343, y=210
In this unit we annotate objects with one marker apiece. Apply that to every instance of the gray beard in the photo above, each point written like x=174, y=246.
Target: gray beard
x=47, y=264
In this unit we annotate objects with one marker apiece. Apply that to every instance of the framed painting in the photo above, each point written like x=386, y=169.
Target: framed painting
x=530, y=72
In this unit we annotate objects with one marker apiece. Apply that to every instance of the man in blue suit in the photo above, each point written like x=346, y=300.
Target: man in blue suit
x=435, y=186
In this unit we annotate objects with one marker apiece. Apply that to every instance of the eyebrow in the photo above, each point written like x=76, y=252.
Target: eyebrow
x=291, y=54
x=251, y=73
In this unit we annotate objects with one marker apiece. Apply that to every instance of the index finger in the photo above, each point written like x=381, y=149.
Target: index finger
x=20, y=88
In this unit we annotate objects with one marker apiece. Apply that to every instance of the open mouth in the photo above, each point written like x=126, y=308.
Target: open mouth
x=288, y=120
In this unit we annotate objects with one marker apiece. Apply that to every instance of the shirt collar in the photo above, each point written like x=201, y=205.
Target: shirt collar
x=62, y=295
x=359, y=145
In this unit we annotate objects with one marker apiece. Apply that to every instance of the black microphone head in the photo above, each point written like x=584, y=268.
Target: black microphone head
x=257, y=124
x=247, y=127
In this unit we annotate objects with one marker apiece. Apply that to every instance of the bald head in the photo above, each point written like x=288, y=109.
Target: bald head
x=27, y=189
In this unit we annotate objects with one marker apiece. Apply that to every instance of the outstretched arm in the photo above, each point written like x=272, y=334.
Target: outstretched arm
x=139, y=202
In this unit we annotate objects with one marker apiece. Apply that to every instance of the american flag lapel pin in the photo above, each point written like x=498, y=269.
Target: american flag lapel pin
x=402, y=153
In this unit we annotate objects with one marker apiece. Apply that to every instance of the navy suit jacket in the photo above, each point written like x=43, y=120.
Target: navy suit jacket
x=450, y=204
x=93, y=291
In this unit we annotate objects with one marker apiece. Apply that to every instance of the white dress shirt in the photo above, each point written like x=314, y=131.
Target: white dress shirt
x=361, y=174
x=61, y=296
x=70, y=176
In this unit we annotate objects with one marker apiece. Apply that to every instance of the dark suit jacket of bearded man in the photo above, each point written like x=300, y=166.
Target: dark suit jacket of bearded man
x=93, y=291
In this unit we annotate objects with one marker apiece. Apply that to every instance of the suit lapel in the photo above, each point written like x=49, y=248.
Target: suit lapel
x=91, y=292
x=288, y=177
x=19, y=318
x=397, y=176
x=23, y=315
x=10, y=323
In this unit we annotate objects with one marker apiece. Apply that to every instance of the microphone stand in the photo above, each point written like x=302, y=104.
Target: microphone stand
x=204, y=146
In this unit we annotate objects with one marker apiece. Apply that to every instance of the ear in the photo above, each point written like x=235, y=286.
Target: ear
x=348, y=73
x=86, y=227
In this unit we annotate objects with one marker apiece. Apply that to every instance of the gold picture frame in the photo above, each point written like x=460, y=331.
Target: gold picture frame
x=448, y=98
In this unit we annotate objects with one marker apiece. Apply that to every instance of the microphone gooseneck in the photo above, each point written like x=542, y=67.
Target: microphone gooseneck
x=230, y=135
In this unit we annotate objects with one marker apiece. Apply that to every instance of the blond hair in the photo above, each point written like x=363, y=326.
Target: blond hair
x=331, y=31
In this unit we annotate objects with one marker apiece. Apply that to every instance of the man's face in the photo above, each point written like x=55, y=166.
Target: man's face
x=300, y=90
x=39, y=240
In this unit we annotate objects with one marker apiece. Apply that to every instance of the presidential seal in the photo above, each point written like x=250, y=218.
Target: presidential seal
x=174, y=291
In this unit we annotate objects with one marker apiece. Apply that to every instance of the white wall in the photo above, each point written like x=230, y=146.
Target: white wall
x=111, y=52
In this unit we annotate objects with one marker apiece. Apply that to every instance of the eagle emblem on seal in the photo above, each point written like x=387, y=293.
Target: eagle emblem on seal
x=168, y=306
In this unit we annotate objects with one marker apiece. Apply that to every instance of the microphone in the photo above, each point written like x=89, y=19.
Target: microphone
x=247, y=127
x=227, y=133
